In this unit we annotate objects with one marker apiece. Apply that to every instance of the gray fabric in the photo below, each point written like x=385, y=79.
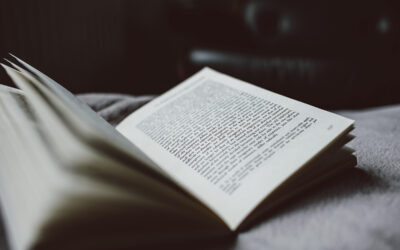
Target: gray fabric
x=359, y=209
x=114, y=107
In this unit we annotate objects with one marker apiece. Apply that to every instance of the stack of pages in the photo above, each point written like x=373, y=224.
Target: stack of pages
x=200, y=161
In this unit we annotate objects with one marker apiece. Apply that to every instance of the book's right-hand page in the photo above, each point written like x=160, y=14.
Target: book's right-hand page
x=230, y=143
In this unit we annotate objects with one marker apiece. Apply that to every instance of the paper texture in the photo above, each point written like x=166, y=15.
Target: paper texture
x=228, y=142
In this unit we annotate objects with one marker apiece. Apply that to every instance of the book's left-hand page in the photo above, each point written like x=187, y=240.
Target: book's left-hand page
x=25, y=173
x=157, y=198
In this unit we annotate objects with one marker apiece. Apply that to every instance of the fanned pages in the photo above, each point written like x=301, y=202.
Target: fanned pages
x=202, y=160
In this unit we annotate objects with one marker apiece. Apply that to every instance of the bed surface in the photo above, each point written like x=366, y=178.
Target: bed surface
x=359, y=209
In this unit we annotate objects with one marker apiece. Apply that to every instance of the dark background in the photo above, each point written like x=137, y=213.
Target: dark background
x=332, y=54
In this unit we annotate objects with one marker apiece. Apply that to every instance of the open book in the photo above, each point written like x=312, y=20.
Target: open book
x=201, y=160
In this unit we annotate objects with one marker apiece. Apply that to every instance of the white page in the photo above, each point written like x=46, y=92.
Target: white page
x=181, y=129
x=7, y=89
x=35, y=168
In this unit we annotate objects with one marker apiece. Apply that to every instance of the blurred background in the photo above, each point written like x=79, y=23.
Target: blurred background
x=332, y=54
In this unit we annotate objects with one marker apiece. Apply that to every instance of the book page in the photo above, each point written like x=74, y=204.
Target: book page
x=230, y=143
x=48, y=190
x=37, y=191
